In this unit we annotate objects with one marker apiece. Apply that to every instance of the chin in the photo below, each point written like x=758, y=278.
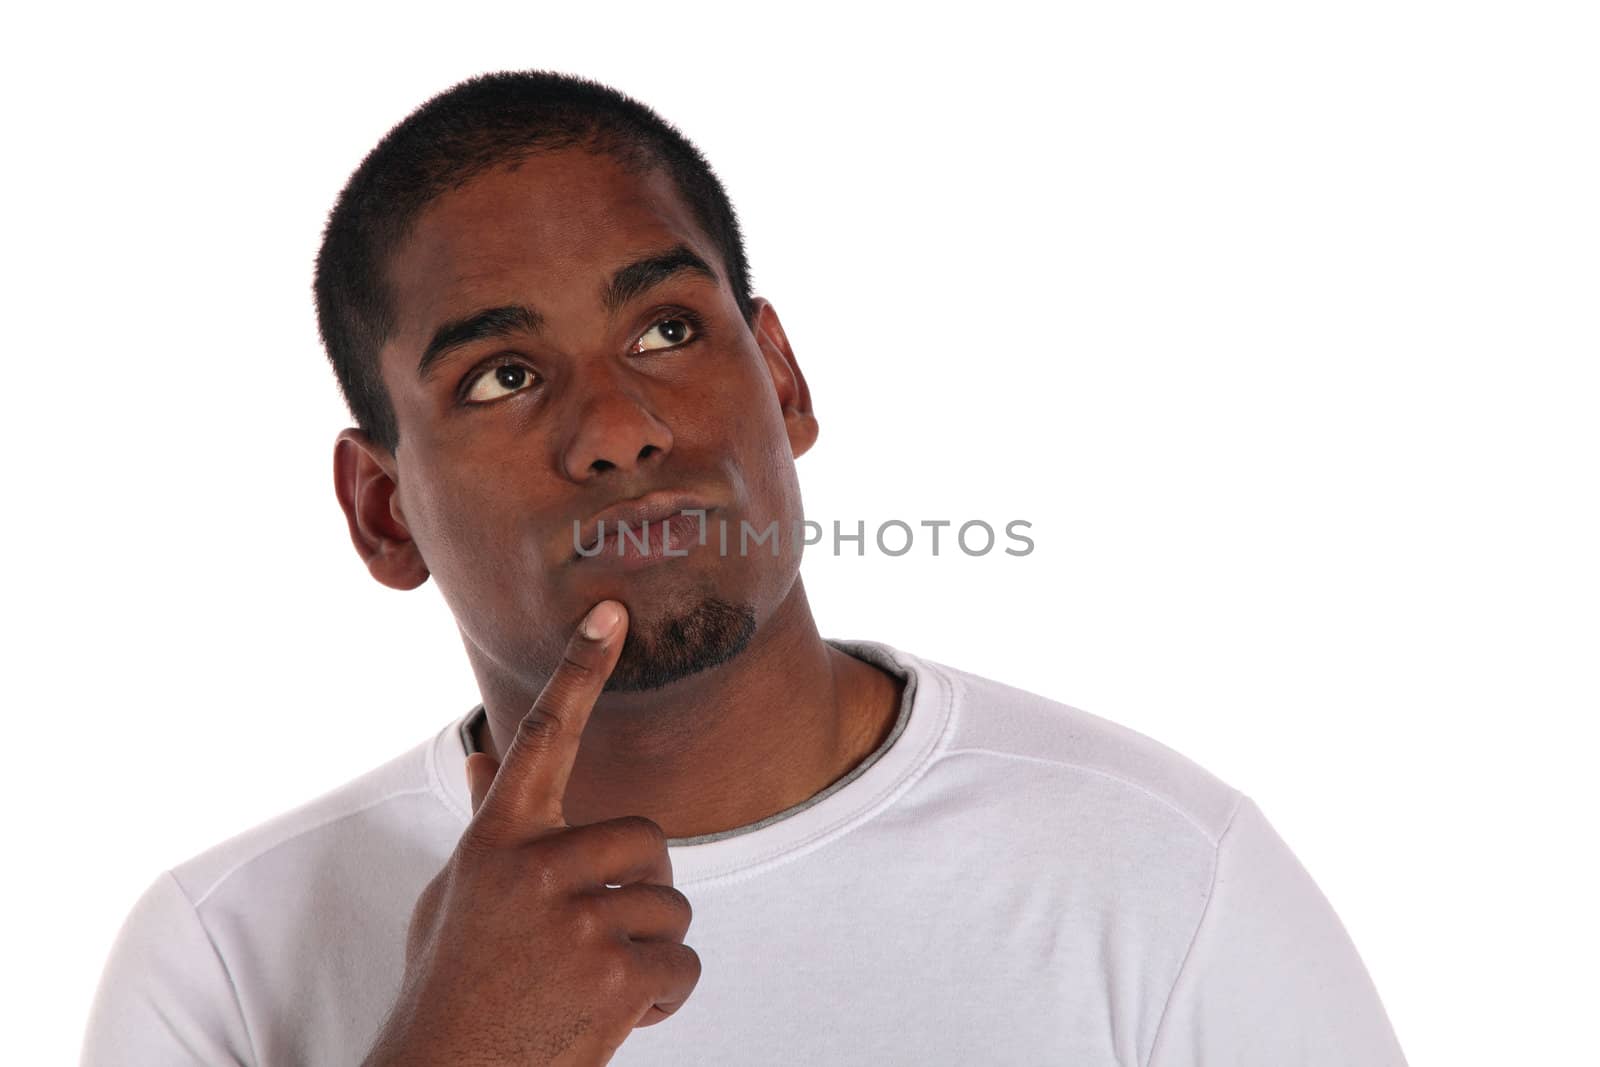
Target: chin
x=681, y=643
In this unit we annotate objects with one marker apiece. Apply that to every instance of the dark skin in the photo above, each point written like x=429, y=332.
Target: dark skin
x=554, y=929
x=483, y=497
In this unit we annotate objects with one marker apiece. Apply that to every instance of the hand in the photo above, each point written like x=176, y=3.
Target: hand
x=518, y=952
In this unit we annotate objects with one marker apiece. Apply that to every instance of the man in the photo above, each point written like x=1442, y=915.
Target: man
x=535, y=297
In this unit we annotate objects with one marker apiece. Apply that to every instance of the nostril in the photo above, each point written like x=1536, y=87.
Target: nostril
x=647, y=451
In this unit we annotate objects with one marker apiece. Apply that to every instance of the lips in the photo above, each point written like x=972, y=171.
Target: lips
x=641, y=516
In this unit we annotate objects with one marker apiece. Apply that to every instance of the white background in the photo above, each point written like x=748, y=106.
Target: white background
x=1277, y=322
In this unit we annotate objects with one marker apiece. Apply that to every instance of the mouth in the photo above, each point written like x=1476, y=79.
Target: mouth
x=662, y=525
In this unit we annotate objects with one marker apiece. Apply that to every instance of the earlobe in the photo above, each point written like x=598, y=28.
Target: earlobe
x=364, y=479
x=794, y=396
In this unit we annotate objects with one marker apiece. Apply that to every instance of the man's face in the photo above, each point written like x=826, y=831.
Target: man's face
x=555, y=388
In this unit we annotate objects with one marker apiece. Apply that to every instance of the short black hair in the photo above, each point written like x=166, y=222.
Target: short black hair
x=453, y=137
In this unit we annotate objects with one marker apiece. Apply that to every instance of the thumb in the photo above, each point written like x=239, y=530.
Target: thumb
x=481, y=769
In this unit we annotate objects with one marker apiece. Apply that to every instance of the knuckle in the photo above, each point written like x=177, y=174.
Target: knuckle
x=616, y=969
x=588, y=922
x=689, y=962
x=561, y=853
x=646, y=831
x=535, y=730
x=570, y=676
x=571, y=664
x=541, y=879
x=681, y=903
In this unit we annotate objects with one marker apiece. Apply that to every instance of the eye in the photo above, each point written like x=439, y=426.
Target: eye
x=668, y=333
x=499, y=381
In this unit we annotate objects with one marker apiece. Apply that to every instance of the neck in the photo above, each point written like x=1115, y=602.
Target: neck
x=728, y=746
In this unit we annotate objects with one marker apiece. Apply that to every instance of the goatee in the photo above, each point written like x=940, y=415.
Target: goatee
x=711, y=632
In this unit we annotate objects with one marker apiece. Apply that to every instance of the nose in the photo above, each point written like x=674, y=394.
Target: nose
x=616, y=430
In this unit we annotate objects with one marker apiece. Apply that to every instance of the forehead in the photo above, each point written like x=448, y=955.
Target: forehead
x=546, y=230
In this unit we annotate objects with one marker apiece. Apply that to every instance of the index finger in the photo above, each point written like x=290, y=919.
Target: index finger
x=526, y=794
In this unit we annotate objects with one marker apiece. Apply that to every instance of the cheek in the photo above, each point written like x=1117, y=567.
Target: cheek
x=485, y=561
x=773, y=480
x=763, y=447
x=462, y=524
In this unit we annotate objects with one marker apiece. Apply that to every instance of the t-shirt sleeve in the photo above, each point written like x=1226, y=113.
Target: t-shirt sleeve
x=1271, y=978
x=165, y=996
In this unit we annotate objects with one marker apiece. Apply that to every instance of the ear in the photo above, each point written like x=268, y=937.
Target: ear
x=794, y=396
x=365, y=477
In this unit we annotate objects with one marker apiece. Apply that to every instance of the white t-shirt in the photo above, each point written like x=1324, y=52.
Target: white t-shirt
x=1007, y=880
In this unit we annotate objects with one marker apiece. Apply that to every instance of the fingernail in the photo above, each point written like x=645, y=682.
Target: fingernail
x=601, y=621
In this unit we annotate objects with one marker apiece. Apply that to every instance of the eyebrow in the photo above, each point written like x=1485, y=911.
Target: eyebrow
x=478, y=326
x=643, y=274
x=626, y=284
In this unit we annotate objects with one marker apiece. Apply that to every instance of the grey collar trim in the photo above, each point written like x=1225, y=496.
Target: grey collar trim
x=868, y=653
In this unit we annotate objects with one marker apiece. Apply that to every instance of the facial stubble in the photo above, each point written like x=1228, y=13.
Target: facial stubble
x=708, y=634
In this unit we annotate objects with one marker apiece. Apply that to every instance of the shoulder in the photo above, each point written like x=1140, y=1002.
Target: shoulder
x=229, y=956
x=402, y=797
x=1033, y=737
